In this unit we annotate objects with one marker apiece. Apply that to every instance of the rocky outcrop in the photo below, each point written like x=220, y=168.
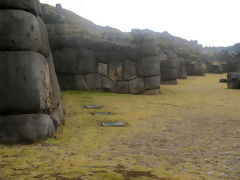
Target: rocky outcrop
x=90, y=57
x=30, y=106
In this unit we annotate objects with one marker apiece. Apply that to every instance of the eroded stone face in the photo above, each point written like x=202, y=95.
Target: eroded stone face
x=30, y=104
x=32, y=6
x=136, y=86
x=115, y=71
x=20, y=31
x=86, y=62
x=121, y=87
x=129, y=70
x=25, y=128
x=149, y=66
x=152, y=82
x=103, y=69
x=25, y=83
x=110, y=61
x=94, y=81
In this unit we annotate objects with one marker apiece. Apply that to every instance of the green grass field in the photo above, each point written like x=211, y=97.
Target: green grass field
x=190, y=131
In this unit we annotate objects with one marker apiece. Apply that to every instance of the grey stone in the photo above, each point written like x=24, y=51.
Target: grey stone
x=59, y=8
x=57, y=110
x=152, y=82
x=25, y=83
x=136, y=86
x=115, y=71
x=195, y=68
x=45, y=49
x=121, y=87
x=152, y=92
x=233, y=79
x=25, y=128
x=148, y=48
x=32, y=6
x=169, y=64
x=113, y=124
x=103, y=69
x=107, y=84
x=86, y=63
x=19, y=31
x=93, y=106
x=169, y=75
x=72, y=82
x=129, y=70
x=149, y=66
x=94, y=81
x=65, y=61
x=80, y=83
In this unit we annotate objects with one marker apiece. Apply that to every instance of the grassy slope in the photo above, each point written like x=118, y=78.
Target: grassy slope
x=191, y=131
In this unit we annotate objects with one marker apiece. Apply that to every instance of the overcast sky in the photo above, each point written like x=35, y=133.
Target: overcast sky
x=210, y=22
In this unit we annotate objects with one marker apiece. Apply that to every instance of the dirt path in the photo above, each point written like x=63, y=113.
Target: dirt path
x=191, y=131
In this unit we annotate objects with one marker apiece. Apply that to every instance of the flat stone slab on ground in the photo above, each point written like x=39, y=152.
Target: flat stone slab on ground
x=113, y=124
x=93, y=106
x=101, y=113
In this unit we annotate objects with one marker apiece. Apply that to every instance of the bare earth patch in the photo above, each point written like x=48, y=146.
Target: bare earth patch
x=191, y=131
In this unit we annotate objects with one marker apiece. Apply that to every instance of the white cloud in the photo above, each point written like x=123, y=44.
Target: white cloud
x=211, y=22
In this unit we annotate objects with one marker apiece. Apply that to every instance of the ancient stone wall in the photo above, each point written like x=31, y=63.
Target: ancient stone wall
x=30, y=106
x=90, y=63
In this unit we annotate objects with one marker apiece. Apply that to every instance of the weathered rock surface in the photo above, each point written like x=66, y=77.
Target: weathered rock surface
x=136, y=86
x=108, y=59
x=233, y=80
x=30, y=100
x=25, y=128
x=25, y=83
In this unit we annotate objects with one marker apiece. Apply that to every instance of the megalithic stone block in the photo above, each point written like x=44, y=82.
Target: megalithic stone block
x=32, y=6
x=129, y=70
x=107, y=84
x=152, y=82
x=94, y=81
x=121, y=87
x=168, y=75
x=149, y=66
x=72, y=82
x=19, y=31
x=115, y=71
x=25, y=83
x=86, y=62
x=25, y=128
x=65, y=61
x=136, y=86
